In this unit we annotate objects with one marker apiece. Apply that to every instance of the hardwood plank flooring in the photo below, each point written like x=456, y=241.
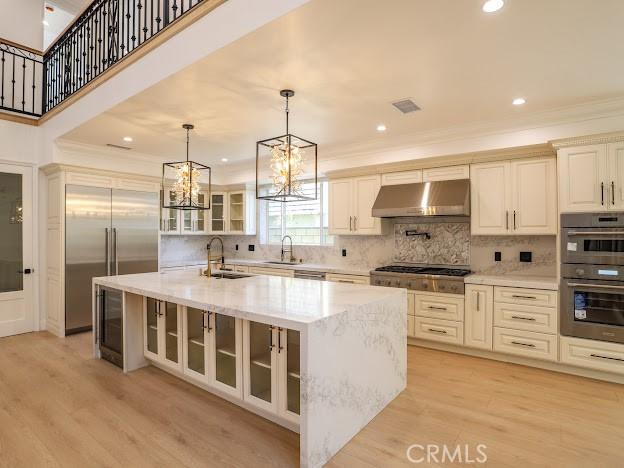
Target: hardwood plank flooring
x=61, y=408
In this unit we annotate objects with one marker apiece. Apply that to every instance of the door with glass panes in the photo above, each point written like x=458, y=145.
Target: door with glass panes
x=195, y=221
x=213, y=349
x=162, y=332
x=289, y=374
x=16, y=279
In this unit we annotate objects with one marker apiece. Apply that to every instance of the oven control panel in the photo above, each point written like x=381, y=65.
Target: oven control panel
x=442, y=285
x=596, y=272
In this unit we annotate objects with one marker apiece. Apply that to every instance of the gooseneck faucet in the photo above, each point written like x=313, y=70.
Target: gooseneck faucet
x=214, y=258
x=290, y=250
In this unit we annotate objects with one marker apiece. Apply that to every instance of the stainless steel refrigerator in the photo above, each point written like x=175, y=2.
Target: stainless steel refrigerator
x=107, y=232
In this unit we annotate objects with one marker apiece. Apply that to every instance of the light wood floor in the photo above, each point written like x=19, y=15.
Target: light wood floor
x=60, y=407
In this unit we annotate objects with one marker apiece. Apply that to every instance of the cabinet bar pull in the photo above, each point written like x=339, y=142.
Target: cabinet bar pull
x=606, y=357
x=519, y=296
x=279, y=340
x=355, y=223
x=436, y=308
x=599, y=286
x=514, y=219
x=613, y=193
x=437, y=331
x=602, y=193
x=350, y=223
x=478, y=306
x=346, y=281
x=529, y=345
x=271, y=345
x=507, y=220
x=531, y=319
x=595, y=233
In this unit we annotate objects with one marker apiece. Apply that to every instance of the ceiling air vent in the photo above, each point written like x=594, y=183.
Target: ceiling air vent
x=118, y=146
x=406, y=106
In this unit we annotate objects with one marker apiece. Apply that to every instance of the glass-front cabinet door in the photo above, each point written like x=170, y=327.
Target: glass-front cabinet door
x=217, y=213
x=260, y=365
x=194, y=221
x=172, y=343
x=196, y=343
x=170, y=219
x=290, y=373
x=236, y=211
x=151, y=322
x=227, y=354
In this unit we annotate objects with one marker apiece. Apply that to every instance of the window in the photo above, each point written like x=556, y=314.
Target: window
x=307, y=222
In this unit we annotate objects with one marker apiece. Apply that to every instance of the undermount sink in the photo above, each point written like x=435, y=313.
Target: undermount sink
x=228, y=276
x=277, y=262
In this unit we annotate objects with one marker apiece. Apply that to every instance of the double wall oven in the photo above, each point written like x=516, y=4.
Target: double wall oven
x=592, y=272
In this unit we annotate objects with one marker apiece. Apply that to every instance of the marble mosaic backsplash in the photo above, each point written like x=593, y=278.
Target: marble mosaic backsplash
x=450, y=244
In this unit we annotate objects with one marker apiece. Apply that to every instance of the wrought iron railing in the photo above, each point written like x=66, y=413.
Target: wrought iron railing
x=106, y=32
x=21, y=72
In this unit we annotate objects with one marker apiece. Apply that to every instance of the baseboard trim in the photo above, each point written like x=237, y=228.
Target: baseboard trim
x=545, y=365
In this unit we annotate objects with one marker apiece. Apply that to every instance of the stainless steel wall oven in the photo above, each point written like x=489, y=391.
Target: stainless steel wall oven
x=592, y=272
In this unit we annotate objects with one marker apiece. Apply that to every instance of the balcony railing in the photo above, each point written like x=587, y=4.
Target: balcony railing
x=105, y=33
x=21, y=72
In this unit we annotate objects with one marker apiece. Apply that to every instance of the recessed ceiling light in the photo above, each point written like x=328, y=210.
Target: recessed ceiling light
x=128, y=139
x=493, y=5
x=381, y=128
x=518, y=101
x=45, y=23
x=224, y=159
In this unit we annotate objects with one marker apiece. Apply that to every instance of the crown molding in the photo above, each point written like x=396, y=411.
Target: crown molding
x=598, y=139
x=54, y=168
x=503, y=154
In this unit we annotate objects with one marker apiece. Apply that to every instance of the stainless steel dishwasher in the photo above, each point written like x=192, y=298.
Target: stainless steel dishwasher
x=310, y=275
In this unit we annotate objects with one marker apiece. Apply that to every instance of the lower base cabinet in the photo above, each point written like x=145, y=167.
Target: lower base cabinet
x=478, y=318
x=213, y=349
x=271, y=363
x=600, y=355
x=162, y=325
x=526, y=344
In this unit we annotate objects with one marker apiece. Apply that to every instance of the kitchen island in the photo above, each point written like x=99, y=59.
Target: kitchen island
x=319, y=358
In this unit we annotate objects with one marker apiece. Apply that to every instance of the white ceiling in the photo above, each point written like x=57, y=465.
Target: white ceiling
x=348, y=60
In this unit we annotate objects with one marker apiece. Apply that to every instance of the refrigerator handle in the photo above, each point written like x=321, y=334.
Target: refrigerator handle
x=115, y=259
x=107, y=252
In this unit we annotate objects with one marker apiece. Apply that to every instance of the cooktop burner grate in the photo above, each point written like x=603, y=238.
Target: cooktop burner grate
x=412, y=270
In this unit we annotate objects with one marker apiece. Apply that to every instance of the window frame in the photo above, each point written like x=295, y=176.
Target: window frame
x=326, y=239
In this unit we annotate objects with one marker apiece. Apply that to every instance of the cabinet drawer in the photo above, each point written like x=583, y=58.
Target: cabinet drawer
x=411, y=302
x=241, y=268
x=410, y=325
x=353, y=279
x=433, y=329
x=440, y=306
x=272, y=271
x=525, y=343
x=534, y=297
x=524, y=317
x=598, y=355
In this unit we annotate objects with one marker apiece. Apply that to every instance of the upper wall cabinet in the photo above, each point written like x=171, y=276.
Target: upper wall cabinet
x=591, y=178
x=426, y=175
x=350, y=206
x=404, y=177
x=514, y=197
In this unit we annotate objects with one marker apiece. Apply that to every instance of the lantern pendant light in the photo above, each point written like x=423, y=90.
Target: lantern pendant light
x=291, y=160
x=184, y=191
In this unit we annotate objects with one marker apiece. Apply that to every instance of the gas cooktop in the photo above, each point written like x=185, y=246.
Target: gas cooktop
x=421, y=278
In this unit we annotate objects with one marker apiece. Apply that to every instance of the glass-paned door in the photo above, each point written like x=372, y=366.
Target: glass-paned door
x=226, y=356
x=151, y=326
x=293, y=371
x=16, y=288
x=172, y=352
x=237, y=211
x=170, y=216
x=217, y=212
x=196, y=324
x=260, y=364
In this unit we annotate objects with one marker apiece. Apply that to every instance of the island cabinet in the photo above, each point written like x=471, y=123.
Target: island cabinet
x=212, y=346
x=162, y=327
x=272, y=369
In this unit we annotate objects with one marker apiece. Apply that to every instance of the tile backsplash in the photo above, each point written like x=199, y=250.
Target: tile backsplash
x=450, y=244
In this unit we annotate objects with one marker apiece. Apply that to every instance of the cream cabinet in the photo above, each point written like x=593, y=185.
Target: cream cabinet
x=162, y=332
x=591, y=178
x=404, y=177
x=212, y=345
x=271, y=363
x=446, y=173
x=218, y=213
x=478, y=315
x=514, y=197
x=350, y=206
x=272, y=271
x=351, y=279
x=592, y=354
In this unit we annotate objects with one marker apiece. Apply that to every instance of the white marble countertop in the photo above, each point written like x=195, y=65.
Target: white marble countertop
x=515, y=281
x=287, y=302
x=264, y=264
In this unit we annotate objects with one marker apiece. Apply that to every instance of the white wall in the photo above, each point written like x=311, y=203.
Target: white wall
x=21, y=22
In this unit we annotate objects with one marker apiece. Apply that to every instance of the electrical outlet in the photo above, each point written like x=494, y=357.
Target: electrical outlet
x=498, y=256
x=236, y=246
x=344, y=252
x=526, y=257
x=251, y=247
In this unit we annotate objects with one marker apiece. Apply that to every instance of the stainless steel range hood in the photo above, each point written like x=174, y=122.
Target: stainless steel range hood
x=440, y=198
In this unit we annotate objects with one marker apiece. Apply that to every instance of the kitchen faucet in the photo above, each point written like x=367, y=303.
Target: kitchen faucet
x=290, y=251
x=212, y=258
